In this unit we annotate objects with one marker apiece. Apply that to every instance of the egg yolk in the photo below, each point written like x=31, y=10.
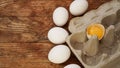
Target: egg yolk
x=96, y=29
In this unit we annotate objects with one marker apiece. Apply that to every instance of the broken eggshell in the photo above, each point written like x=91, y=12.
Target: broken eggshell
x=95, y=29
x=91, y=46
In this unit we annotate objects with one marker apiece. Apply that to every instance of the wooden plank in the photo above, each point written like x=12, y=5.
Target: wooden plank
x=28, y=55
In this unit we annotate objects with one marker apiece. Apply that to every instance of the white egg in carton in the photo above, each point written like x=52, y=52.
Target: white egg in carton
x=108, y=55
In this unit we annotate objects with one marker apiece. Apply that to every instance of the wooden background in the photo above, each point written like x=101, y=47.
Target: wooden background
x=23, y=32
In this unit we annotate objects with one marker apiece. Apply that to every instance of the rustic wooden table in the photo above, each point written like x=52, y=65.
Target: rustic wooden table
x=23, y=32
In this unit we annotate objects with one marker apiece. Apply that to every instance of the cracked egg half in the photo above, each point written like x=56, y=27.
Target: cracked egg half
x=95, y=29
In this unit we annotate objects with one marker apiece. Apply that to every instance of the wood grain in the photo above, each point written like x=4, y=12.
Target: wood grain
x=30, y=20
x=27, y=55
x=23, y=32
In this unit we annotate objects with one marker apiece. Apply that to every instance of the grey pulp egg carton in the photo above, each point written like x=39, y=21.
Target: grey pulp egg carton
x=93, y=53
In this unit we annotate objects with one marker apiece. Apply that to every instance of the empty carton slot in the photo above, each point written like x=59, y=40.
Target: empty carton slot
x=77, y=40
x=94, y=60
x=118, y=15
x=109, y=20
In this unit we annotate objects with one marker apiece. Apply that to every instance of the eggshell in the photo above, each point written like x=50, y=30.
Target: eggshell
x=57, y=35
x=59, y=54
x=72, y=66
x=60, y=16
x=78, y=7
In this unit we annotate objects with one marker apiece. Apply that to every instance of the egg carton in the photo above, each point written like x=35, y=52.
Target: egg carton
x=108, y=48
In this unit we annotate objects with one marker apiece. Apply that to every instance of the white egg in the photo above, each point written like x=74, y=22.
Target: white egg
x=57, y=35
x=59, y=54
x=78, y=7
x=72, y=66
x=60, y=16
